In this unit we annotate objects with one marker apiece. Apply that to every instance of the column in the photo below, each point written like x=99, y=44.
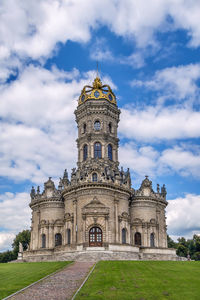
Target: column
x=103, y=150
x=47, y=237
x=38, y=240
x=107, y=235
x=144, y=233
x=92, y=150
x=75, y=222
x=31, y=242
x=84, y=228
x=116, y=202
x=89, y=150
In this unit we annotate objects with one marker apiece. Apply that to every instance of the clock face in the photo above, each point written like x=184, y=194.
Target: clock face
x=96, y=94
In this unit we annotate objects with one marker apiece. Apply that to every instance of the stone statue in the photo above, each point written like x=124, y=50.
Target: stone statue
x=20, y=247
x=32, y=194
x=38, y=190
x=163, y=190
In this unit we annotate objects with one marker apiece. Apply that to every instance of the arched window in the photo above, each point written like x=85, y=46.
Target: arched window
x=97, y=150
x=94, y=177
x=68, y=236
x=124, y=236
x=84, y=128
x=85, y=152
x=97, y=125
x=110, y=127
x=138, y=241
x=43, y=241
x=110, y=152
x=152, y=240
x=58, y=239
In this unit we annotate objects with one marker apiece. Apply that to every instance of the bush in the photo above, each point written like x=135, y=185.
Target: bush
x=196, y=256
x=7, y=256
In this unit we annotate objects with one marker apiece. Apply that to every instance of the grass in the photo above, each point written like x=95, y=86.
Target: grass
x=143, y=280
x=15, y=276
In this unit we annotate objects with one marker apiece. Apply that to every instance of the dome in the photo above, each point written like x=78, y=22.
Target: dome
x=97, y=92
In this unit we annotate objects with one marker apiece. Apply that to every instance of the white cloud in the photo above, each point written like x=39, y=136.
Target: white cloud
x=141, y=160
x=183, y=216
x=147, y=160
x=38, y=128
x=186, y=16
x=154, y=123
x=183, y=161
x=14, y=211
x=175, y=82
x=38, y=124
x=100, y=51
x=135, y=60
x=6, y=240
x=41, y=25
x=15, y=216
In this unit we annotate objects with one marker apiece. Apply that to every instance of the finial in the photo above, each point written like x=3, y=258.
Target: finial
x=97, y=83
x=146, y=176
x=32, y=192
x=65, y=174
x=60, y=185
x=163, y=190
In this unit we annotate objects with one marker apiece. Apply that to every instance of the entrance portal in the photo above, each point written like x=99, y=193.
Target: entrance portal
x=95, y=237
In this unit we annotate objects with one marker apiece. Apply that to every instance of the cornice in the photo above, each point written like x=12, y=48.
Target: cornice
x=100, y=185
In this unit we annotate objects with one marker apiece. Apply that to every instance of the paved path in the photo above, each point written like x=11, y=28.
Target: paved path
x=60, y=286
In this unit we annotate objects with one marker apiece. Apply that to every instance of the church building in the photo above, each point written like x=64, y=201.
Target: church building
x=97, y=213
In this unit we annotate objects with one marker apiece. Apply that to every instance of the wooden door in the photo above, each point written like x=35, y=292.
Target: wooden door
x=95, y=237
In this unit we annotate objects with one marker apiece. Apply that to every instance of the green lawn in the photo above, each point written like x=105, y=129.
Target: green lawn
x=15, y=276
x=143, y=280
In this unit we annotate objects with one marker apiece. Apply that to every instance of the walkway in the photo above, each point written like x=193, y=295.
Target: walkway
x=60, y=286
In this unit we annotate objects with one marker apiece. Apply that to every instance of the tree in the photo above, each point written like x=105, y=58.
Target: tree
x=182, y=241
x=22, y=237
x=192, y=248
x=196, y=256
x=182, y=250
x=6, y=256
x=171, y=243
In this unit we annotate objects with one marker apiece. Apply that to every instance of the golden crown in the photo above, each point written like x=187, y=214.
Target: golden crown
x=96, y=92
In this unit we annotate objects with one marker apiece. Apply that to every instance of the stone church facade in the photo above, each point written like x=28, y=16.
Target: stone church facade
x=97, y=213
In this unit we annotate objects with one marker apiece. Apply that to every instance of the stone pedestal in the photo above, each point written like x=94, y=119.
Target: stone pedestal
x=20, y=256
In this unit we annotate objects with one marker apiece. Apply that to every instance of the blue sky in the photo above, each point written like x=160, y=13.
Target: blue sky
x=149, y=52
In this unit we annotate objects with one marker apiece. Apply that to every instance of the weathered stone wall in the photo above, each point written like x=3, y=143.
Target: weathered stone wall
x=113, y=202
x=114, y=253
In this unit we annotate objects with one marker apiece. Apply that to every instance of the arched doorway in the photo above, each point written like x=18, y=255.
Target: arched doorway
x=138, y=241
x=95, y=237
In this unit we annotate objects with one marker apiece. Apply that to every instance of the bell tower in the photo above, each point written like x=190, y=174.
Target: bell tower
x=98, y=207
x=97, y=117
